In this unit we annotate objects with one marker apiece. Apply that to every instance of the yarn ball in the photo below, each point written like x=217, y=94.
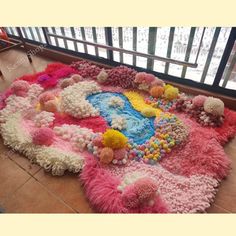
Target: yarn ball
x=138, y=193
x=171, y=93
x=157, y=82
x=43, y=136
x=121, y=76
x=47, y=96
x=143, y=77
x=50, y=106
x=102, y=76
x=77, y=78
x=156, y=91
x=86, y=69
x=199, y=100
x=148, y=112
x=114, y=139
x=120, y=154
x=97, y=141
x=214, y=106
x=67, y=82
x=20, y=88
x=106, y=155
x=168, y=86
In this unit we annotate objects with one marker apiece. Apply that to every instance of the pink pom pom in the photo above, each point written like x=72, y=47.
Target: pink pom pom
x=97, y=141
x=199, y=100
x=20, y=88
x=143, y=77
x=77, y=78
x=142, y=191
x=43, y=136
x=157, y=82
x=67, y=82
x=45, y=97
x=120, y=154
x=50, y=106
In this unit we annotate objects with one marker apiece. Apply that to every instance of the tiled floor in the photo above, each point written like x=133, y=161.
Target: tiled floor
x=26, y=188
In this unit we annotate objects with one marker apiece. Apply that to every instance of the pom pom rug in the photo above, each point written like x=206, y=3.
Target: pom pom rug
x=139, y=145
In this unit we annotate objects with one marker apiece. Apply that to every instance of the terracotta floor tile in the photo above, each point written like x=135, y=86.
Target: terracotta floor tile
x=11, y=177
x=216, y=209
x=66, y=187
x=19, y=159
x=32, y=197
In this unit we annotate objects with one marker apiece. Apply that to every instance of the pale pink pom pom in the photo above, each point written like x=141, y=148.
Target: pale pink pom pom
x=142, y=191
x=199, y=100
x=20, y=88
x=43, y=136
x=67, y=82
x=45, y=97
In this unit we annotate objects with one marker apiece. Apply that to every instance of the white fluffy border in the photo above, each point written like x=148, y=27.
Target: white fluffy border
x=50, y=158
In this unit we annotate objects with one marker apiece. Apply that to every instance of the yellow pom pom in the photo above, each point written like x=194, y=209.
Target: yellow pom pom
x=114, y=139
x=171, y=93
x=148, y=112
x=167, y=86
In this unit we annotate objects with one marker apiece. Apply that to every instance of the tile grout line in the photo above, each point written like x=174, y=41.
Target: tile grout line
x=54, y=195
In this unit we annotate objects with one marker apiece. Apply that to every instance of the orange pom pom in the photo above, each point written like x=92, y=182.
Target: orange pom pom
x=156, y=91
x=106, y=155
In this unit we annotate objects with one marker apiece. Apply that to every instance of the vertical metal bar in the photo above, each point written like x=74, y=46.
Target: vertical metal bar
x=31, y=33
x=56, y=39
x=45, y=33
x=72, y=30
x=64, y=34
x=200, y=44
x=152, y=36
x=25, y=33
x=225, y=57
x=11, y=31
x=95, y=39
x=210, y=54
x=108, y=35
x=120, y=35
x=169, y=49
x=188, y=51
x=84, y=38
x=38, y=34
x=134, y=44
x=229, y=71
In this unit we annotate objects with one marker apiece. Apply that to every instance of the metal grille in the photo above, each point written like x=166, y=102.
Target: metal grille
x=189, y=53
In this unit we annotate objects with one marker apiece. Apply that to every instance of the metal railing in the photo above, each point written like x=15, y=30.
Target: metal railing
x=185, y=54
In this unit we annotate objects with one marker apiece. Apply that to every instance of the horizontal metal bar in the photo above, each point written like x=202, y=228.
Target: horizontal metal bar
x=229, y=71
x=154, y=57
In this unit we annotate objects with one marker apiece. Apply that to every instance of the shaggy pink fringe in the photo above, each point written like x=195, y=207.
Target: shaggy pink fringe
x=101, y=189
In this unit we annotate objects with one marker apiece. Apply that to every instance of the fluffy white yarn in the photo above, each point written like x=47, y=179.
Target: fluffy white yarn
x=34, y=91
x=78, y=136
x=73, y=99
x=14, y=104
x=44, y=119
x=118, y=122
x=50, y=158
x=116, y=102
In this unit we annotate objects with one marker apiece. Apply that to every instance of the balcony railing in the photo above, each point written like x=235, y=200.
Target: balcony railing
x=201, y=56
